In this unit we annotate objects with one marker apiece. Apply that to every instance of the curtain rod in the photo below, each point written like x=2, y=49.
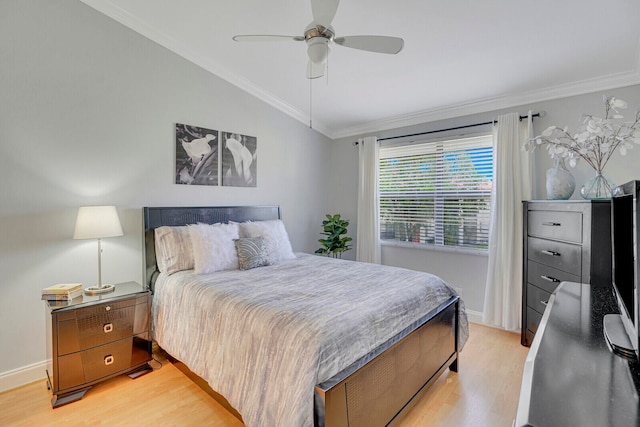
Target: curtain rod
x=540, y=114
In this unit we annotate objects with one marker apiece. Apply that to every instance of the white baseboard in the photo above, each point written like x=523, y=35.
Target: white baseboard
x=21, y=376
x=37, y=371
x=474, y=316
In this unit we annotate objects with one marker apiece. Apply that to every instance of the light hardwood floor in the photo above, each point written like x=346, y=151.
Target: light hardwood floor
x=483, y=393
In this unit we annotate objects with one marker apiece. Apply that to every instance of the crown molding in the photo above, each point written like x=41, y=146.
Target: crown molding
x=446, y=112
x=490, y=104
x=128, y=20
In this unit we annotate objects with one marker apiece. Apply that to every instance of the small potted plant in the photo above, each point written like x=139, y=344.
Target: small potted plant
x=334, y=244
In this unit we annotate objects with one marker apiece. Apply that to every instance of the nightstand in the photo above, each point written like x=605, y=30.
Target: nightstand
x=93, y=338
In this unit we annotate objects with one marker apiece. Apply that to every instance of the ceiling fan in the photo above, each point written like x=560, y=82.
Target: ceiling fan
x=320, y=33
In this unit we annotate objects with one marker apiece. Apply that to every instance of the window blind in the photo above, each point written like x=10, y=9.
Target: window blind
x=437, y=193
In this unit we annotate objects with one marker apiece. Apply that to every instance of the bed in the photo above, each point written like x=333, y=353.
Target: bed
x=306, y=340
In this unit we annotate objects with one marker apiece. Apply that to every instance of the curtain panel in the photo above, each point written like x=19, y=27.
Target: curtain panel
x=511, y=185
x=368, y=228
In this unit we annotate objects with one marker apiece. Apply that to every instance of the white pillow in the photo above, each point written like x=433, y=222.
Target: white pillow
x=275, y=236
x=173, y=249
x=214, y=248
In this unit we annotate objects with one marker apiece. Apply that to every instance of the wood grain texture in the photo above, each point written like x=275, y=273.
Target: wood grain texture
x=484, y=393
x=165, y=397
x=485, y=390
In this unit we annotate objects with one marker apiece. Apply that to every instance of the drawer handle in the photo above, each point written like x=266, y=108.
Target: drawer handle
x=550, y=279
x=550, y=253
x=544, y=303
x=108, y=327
x=552, y=224
x=107, y=308
x=108, y=359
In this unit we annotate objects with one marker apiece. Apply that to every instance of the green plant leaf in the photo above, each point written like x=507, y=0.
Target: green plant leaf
x=333, y=228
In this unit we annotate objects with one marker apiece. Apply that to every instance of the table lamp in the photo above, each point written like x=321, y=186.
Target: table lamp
x=98, y=222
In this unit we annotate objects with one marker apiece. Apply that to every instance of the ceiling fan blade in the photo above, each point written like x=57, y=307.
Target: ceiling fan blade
x=324, y=11
x=380, y=44
x=266, y=38
x=314, y=70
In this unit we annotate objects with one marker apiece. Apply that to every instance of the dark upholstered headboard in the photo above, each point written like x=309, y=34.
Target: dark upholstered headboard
x=155, y=217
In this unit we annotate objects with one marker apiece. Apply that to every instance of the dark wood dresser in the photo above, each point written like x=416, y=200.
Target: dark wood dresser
x=571, y=378
x=97, y=337
x=563, y=240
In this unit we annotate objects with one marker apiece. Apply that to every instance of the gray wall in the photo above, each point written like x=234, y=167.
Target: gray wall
x=87, y=116
x=464, y=271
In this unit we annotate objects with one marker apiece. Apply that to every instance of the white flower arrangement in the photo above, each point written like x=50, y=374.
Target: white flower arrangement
x=596, y=140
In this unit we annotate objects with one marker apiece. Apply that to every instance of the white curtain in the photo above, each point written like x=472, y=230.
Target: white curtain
x=512, y=182
x=368, y=232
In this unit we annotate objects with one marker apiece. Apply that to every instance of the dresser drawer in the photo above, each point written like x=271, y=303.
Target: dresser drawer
x=537, y=298
x=563, y=256
x=533, y=319
x=97, y=327
x=566, y=226
x=546, y=277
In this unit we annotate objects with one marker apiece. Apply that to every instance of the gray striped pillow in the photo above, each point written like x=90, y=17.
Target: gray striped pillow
x=252, y=253
x=173, y=249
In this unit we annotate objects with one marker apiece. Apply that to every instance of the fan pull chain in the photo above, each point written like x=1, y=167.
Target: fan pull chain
x=327, y=66
x=310, y=104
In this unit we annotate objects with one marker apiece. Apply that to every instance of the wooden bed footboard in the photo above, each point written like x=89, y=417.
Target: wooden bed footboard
x=385, y=388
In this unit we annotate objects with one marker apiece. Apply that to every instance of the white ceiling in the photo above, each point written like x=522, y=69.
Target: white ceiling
x=460, y=57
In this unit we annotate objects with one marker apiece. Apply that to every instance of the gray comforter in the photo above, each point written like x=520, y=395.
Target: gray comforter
x=264, y=337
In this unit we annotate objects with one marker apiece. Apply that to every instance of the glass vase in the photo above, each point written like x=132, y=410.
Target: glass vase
x=597, y=188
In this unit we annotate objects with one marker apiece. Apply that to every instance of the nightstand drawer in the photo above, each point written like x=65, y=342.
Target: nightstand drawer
x=87, y=366
x=546, y=277
x=96, y=309
x=563, y=256
x=537, y=298
x=99, y=326
x=566, y=226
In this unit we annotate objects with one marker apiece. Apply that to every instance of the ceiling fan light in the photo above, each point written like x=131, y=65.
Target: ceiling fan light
x=318, y=49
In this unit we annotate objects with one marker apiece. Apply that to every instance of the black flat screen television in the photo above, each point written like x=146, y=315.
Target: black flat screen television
x=622, y=331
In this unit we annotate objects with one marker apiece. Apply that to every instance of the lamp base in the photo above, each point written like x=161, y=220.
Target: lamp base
x=96, y=290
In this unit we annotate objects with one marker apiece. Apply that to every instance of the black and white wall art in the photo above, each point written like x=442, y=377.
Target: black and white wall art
x=196, y=155
x=239, y=160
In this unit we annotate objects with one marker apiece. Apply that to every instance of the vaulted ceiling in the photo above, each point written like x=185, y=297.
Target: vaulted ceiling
x=459, y=57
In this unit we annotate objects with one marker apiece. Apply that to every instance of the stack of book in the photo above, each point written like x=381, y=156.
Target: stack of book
x=62, y=292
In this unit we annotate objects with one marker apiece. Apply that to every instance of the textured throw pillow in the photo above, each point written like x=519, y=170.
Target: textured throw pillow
x=213, y=247
x=251, y=253
x=173, y=249
x=275, y=236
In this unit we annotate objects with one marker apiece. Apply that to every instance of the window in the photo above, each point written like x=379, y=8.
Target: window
x=437, y=193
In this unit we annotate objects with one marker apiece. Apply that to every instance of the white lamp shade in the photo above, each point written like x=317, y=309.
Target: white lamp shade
x=96, y=222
